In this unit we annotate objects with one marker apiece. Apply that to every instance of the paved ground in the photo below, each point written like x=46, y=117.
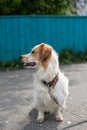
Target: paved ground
x=16, y=101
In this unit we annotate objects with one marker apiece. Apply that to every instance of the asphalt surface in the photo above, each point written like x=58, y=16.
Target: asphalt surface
x=17, y=110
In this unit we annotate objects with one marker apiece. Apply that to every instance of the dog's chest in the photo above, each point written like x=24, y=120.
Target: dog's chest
x=43, y=94
x=44, y=100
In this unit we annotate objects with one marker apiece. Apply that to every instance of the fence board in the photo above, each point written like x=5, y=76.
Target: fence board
x=18, y=34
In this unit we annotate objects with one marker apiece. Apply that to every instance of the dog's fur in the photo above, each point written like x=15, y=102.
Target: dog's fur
x=47, y=63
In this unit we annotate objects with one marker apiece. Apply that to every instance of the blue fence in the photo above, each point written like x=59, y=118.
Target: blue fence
x=18, y=34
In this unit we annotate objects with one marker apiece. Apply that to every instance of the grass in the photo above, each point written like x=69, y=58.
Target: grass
x=11, y=65
x=66, y=56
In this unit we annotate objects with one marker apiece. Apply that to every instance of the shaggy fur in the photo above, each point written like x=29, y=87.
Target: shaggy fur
x=46, y=60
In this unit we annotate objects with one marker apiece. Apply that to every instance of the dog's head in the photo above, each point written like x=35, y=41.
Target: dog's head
x=40, y=55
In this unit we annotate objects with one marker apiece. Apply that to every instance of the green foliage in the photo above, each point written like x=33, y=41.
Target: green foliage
x=11, y=65
x=68, y=56
x=56, y=7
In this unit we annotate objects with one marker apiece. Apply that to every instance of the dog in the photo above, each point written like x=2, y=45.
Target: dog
x=49, y=81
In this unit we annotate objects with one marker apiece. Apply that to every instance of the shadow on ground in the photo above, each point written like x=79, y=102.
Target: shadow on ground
x=49, y=123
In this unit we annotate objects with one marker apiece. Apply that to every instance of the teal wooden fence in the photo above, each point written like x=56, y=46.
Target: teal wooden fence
x=18, y=34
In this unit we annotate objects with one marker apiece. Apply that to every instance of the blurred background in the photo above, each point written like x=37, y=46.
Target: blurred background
x=60, y=23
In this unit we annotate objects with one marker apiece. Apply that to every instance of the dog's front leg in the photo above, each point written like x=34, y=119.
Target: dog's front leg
x=58, y=114
x=40, y=118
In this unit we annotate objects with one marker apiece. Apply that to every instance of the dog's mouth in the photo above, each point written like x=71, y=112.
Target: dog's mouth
x=31, y=64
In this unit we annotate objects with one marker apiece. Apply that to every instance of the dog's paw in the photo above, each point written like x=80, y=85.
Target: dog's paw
x=40, y=120
x=59, y=118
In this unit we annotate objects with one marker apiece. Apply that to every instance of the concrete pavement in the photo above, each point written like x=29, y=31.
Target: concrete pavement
x=17, y=111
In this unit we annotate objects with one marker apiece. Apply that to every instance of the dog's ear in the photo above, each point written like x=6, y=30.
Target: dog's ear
x=45, y=52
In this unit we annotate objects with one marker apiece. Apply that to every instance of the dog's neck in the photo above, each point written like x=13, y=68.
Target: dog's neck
x=49, y=73
x=51, y=83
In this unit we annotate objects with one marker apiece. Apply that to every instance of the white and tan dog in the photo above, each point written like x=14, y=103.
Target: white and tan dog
x=48, y=78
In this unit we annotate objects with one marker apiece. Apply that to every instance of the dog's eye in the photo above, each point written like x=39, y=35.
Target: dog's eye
x=32, y=52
